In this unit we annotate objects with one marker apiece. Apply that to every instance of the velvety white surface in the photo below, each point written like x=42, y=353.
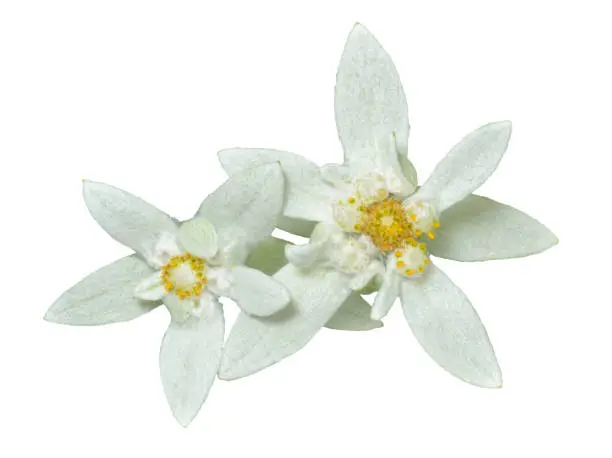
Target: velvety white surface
x=255, y=292
x=244, y=209
x=480, y=229
x=467, y=165
x=188, y=361
x=369, y=98
x=199, y=238
x=449, y=329
x=307, y=195
x=256, y=343
x=127, y=218
x=105, y=296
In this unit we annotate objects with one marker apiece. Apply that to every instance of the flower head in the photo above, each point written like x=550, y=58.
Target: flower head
x=187, y=267
x=375, y=226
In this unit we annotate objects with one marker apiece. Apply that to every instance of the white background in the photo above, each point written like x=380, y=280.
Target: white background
x=141, y=94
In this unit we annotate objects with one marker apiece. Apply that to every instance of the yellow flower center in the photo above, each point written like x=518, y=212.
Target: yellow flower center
x=387, y=224
x=184, y=276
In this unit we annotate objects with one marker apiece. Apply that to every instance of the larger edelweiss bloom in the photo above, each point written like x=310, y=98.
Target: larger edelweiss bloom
x=376, y=227
x=186, y=267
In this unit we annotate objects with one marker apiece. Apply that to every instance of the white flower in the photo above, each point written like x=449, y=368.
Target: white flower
x=374, y=226
x=186, y=267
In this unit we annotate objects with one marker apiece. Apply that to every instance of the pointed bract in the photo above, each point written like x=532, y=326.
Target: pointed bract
x=467, y=165
x=127, y=218
x=480, y=229
x=105, y=296
x=188, y=360
x=449, y=329
x=370, y=103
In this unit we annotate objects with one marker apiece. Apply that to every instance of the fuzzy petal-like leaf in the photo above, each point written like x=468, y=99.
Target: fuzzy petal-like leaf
x=189, y=360
x=481, y=229
x=449, y=329
x=105, y=296
x=127, y=218
x=467, y=165
x=370, y=103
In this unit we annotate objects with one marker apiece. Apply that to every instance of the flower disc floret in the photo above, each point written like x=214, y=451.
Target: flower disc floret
x=184, y=276
x=387, y=224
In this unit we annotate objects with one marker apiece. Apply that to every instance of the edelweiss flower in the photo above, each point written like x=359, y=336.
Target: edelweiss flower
x=375, y=226
x=186, y=267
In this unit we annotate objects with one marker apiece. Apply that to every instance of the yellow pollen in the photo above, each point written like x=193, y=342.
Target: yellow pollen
x=421, y=269
x=410, y=272
x=436, y=224
x=418, y=233
x=398, y=254
x=413, y=217
x=431, y=235
x=427, y=261
x=184, y=276
x=351, y=200
x=387, y=224
x=400, y=264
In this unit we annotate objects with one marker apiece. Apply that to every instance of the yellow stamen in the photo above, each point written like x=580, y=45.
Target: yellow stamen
x=387, y=224
x=174, y=279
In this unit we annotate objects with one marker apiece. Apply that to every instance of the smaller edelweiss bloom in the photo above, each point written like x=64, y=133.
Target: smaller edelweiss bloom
x=371, y=227
x=186, y=267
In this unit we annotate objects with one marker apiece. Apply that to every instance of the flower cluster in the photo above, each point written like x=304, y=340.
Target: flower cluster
x=371, y=228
